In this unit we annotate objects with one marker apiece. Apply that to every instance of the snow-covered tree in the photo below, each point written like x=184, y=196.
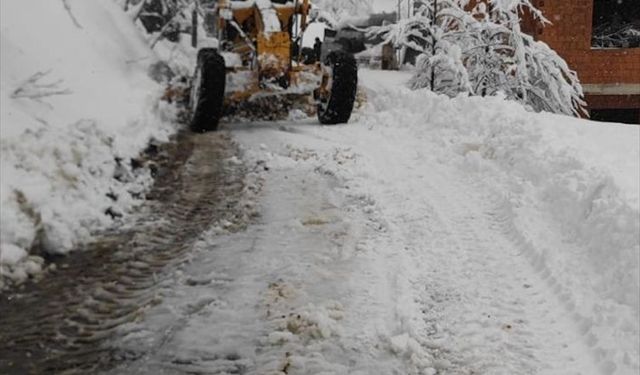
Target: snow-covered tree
x=483, y=51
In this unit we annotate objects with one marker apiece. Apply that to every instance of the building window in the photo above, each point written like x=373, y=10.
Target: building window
x=624, y=116
x=616, y=24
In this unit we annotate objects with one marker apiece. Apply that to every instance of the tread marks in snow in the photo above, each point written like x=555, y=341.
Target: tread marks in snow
x=74, y=313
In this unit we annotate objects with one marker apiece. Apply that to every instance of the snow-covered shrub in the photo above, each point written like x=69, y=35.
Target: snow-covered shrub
x=443, y=72
x=483, y=51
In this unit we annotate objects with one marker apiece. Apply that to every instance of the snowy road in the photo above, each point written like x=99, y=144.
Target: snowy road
x=430, y=235
x=383, y=248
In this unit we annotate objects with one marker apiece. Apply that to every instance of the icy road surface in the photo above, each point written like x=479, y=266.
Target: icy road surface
x=415, y=240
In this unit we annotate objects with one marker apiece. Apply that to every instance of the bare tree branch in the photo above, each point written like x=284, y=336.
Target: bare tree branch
x=183, y=7
x=33, y=89
x=73, y=18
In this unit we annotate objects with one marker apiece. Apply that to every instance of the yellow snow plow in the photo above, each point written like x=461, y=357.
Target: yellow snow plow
x=258, y=60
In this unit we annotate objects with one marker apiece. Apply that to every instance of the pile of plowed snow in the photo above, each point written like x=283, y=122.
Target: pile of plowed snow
x=571, y=196
x=76, y=97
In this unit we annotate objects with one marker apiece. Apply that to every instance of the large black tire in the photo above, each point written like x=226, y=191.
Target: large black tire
x=207, y=91
x=337, y=108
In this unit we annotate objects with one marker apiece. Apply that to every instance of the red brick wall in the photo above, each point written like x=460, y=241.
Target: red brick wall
x=614, y=101
x=570, y=36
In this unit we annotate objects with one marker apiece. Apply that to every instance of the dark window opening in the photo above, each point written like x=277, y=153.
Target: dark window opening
x=624, y=116
x=616, y=24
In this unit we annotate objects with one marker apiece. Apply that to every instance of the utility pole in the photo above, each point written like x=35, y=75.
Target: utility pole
x=194, y=26
x=400, y=10
x=399, y=14
x=434, y=15
x=398, y=50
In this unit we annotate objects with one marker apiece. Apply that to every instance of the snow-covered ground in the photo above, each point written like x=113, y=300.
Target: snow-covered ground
x=75, y=97
x=429, y=236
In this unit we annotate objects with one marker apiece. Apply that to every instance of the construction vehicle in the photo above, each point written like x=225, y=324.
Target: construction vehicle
x=258, y=59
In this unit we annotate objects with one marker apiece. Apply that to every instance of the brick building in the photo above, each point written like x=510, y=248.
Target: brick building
x=600, y=40
x=583, y=32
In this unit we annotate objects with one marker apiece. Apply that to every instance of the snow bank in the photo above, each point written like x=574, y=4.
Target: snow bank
x=568, y=193
x=76, y=97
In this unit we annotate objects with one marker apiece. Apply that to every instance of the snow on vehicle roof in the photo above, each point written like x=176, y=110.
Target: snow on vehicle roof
x=267, y=10
x=269, y=16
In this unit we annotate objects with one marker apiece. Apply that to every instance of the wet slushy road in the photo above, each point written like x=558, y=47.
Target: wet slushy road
x=66, y=322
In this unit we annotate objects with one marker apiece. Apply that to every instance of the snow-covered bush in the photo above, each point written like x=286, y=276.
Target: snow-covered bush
x=483, y=51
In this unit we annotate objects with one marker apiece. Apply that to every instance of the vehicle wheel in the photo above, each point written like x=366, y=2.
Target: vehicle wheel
x=336, y=108
x=207, y=91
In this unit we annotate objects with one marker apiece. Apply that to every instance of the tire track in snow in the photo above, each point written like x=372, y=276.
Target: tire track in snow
x=503, y=215
x=305, y=295
x=479, y=307
x=576, y=267
x=504, y=309
x=66, y=322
